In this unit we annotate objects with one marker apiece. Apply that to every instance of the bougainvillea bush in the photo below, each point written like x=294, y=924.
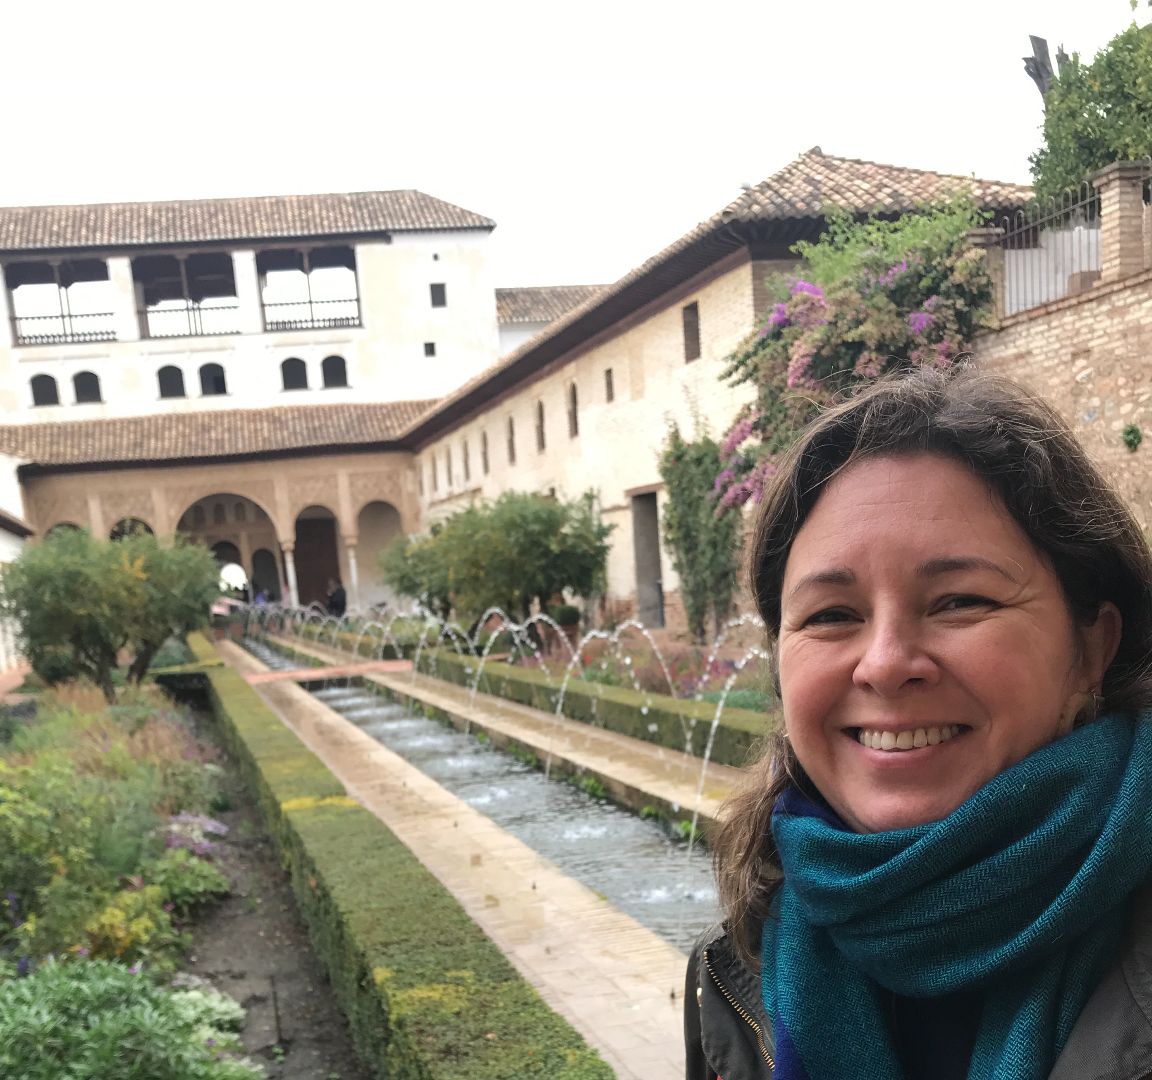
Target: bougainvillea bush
x=874, y=296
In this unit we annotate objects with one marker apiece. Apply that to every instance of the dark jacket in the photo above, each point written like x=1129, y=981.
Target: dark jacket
x=727, y=1034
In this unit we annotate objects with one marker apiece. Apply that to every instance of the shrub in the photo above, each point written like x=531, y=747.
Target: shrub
x=565, y=615
x=186, y=881
x=135, y=926
x=99, y=1019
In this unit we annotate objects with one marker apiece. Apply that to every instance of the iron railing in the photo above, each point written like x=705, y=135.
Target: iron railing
x=192, y=320
x=64, y=329
x=312, y=314
x=1051, y=249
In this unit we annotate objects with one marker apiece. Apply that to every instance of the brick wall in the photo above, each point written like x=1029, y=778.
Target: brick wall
x=1091, y=357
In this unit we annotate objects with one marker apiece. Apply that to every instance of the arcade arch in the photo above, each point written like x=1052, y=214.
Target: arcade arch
x=317, y=554
x=235, y=528
x=130, y=526
x=377, y=525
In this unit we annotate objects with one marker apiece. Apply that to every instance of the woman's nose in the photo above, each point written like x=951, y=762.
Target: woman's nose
x=893, y=657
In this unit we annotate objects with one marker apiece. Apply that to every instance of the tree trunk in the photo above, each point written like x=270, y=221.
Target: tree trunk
x=141, y=662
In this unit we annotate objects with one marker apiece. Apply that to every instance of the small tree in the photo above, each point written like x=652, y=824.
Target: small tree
x=1096, y=113
x=78, y=602
x=703, y=545
x=522, y=548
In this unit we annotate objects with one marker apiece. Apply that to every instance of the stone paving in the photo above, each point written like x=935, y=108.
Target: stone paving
x=615, y=981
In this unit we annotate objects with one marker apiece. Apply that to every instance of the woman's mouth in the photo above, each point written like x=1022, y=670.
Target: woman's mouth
x=908, y=739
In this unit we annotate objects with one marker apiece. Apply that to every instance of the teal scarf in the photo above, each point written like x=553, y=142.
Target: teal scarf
x=1019, y=894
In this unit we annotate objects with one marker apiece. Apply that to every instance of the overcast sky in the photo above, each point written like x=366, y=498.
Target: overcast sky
x=593, y=133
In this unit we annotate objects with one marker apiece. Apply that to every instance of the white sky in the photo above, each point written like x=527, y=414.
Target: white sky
x=593, y=133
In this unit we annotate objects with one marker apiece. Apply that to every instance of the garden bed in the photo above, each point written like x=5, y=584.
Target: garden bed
x=426, y=993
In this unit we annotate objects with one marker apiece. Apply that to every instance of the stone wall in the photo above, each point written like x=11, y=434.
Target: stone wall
x=1091, y=357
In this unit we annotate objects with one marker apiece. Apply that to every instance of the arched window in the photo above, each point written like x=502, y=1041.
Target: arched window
x=212, y=380
x=294, y=374
x=335, y=371
x=44, y=391
x=171, y=381
x=240, y=512
x=130, y=526
x=87, y=387
x=218, y=515
x=541, y=441
x=573, y=412
x=198, y=520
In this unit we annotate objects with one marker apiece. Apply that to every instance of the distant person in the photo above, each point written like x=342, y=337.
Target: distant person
x=337, y=598
x=261, y=597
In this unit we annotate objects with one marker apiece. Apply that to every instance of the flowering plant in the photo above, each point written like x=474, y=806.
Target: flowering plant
x=874, y=296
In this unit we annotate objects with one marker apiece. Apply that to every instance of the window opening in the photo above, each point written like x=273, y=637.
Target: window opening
x=44, y=390
x=573, y=412
x=439, y=293
x=540, y=440
x=87, y=387
x=171, y=382
x=334, y=371
x=609, y=386
x=294, y=374
x=691, y=319
x=212, y=381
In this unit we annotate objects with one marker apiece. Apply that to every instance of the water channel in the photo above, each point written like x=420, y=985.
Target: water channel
x=632, y=862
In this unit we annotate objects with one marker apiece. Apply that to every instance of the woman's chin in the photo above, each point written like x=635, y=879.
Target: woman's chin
x=902, y=812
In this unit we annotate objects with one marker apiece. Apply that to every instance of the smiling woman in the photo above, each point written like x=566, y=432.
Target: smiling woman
x=942, y=868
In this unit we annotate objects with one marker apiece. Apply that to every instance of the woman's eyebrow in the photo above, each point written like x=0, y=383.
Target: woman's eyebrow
x=831, y=576
x=950, y=564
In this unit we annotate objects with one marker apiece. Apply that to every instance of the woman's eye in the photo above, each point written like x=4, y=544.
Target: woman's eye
x=961, y=603
x=828, y=617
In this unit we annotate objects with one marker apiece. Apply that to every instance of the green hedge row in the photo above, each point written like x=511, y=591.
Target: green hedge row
x=368, y=644
x=427, y=994
x=657, y=718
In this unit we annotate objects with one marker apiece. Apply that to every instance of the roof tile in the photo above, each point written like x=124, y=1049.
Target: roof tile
x=269, y=217
x=208, y=434
x=540, y=303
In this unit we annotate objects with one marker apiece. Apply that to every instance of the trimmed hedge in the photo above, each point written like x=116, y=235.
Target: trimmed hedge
x=368, y=645
x=427, y=995
x=673, y=722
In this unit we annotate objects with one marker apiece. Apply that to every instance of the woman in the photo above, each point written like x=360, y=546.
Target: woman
x=940, y=871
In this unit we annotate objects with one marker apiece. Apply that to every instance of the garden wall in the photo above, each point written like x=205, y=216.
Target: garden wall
x=427, y=994
x=1091, y=357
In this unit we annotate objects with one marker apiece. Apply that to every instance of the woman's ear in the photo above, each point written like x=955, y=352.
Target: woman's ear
x=1100, y=642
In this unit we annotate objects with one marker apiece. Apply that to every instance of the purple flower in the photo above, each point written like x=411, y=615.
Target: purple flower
x=779, y=316
x=799, y=286
x=23, y=966
x=919, y=321
x=736, y=436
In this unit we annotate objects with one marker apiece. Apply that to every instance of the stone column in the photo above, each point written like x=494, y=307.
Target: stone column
x=125, y=313
x=245, y=549
x=1121, y=189
x=353, y=572
x=248, y=292
x=288, y=547
x=96, y=520
x=989, y=242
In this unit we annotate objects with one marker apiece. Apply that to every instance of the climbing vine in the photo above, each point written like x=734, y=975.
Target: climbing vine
x=704, y=546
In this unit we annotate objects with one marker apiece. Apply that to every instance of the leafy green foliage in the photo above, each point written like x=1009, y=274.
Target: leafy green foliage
x=85, y=793
x=705, y=547
x=507, y=554
x=99, y=1019
x=1097, y=113
x=78, y=601
x=1132, y=437
x=187, y=881
x=877, y=296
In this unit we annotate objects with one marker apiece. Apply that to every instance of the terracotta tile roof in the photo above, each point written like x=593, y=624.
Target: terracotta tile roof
x=540, y=304
x=208, y=434
x=815, y=180
x=269, y=217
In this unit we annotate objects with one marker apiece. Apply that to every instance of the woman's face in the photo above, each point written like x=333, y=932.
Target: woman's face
x=925, y=644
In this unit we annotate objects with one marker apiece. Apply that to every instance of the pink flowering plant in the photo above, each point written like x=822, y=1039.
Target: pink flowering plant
x=873, y=296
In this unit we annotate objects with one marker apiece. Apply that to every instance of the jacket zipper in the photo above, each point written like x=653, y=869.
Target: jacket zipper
x=741, y=1012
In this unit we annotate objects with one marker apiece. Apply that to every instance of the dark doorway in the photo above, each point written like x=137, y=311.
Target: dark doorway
x=316, y=558
x=646, y=547
x=265, y=574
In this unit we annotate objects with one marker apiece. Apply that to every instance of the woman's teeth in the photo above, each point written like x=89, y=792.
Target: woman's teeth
x=907, y=740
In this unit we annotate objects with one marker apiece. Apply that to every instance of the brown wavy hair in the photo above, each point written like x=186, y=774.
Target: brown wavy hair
x=1025, y=452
